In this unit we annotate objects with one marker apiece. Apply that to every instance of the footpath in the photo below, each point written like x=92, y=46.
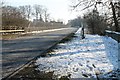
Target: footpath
x=19, y=52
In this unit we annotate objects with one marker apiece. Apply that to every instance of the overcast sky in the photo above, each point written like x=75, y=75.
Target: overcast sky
x=58, y=9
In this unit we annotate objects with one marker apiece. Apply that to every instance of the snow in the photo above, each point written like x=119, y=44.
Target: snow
x=113, y=32
x=82, y=58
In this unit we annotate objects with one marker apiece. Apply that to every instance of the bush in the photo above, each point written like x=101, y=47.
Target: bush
x=96, y=23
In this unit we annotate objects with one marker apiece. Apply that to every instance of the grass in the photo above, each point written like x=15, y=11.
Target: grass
x=13, y=36
x=10, y=36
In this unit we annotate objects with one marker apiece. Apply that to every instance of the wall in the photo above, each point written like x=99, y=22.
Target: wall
x=116, y=36
x=113, y=34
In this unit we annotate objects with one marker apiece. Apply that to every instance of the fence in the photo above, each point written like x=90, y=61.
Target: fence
x=116, y=36
x=11, y=31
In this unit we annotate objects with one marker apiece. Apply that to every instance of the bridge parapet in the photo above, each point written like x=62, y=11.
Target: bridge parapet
x=116, y=36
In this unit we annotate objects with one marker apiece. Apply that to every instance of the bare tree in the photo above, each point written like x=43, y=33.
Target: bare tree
x=76, y=22
x=23, y=11
x=12, y=18
x=28, y=11
x=114, y=16
x=38, y=11
x=118, y=13
x=1, y=4
x=46, y=14
x=93, y=4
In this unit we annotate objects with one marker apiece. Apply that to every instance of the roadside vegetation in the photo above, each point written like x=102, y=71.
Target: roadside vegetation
x=23, y=17
x=27, y=18
x=99, y=15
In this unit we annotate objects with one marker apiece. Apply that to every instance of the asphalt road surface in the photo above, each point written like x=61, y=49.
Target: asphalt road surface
x=17, y=52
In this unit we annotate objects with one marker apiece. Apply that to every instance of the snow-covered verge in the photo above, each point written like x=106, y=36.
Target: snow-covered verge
x=82, y=58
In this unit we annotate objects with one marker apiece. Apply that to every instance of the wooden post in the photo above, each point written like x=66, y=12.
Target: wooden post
x=82, y=32
x=114, y=16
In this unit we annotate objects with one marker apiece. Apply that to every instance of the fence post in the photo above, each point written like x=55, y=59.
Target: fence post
x=82, y=32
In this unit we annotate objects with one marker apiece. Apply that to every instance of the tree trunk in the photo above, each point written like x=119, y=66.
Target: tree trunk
x=114, y=16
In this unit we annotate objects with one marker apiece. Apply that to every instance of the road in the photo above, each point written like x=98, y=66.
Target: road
x=17, y=52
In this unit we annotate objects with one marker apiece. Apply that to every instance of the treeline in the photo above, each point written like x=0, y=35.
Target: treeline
x=75, y=22
x=20, y=17
x=97, y=23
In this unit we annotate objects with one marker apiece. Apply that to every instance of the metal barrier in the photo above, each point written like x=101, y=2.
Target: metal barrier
x=11, y=31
